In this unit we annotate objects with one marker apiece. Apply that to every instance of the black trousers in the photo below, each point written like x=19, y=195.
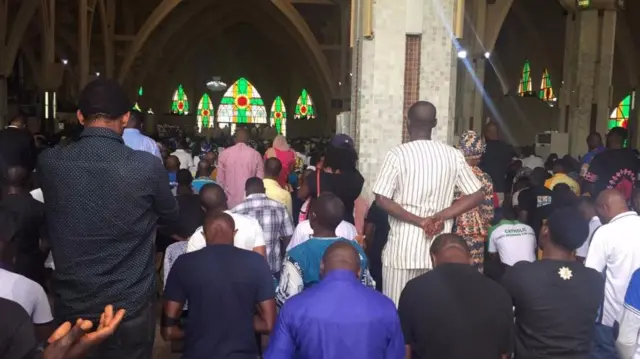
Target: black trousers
x=133, y=339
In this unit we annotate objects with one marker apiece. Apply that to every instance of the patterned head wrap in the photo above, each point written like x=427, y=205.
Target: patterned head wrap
x=472, y=145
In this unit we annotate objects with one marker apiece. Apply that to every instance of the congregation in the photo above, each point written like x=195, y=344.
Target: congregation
x=253, y=248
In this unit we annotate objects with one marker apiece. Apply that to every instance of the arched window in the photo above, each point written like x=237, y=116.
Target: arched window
x=241, y=104
x=546, y=89
x=180, y=103
x=137, y=105
x=279, y=116
x=620, y=115
x=304, y=106
x=205, y=113
x=525, y=88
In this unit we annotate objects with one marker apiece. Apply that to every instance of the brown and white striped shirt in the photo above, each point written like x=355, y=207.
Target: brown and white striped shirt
x=421, y=177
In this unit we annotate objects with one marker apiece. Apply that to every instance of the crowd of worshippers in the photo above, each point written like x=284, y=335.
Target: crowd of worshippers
x=468, y=251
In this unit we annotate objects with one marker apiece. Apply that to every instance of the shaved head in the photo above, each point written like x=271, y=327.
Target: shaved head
x=450, y=248
x=341, y=255
x=422, y=116
x=219, y=228
x=272, y=167
x=213, y=198
x=609, y=204
x=172, y=163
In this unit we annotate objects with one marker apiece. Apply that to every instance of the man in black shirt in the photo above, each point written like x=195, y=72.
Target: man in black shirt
x=223, y=285
x=534, y=203
x=29, y=221
x=453, y=311
x=556, y=298
x=103, y=201
x=617, y=167
x=496, y=159
x=17, y=146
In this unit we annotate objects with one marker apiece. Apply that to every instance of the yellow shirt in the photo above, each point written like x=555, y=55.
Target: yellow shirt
x=277, y=193
x=563, y=178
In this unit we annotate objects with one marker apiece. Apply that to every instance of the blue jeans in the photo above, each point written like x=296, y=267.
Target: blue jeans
x=604, y=343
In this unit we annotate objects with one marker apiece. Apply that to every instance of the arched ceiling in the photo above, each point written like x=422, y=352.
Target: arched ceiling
x=145, y=32
x=281, y=13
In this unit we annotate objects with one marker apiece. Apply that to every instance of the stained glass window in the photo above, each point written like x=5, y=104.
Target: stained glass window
x=546, y=93
x=241, y=104
x=525, y=87
x=136, y=106
x=180, y=103
x=205, y=113
x=620, y=115
x=304, y=106
x=279, y=116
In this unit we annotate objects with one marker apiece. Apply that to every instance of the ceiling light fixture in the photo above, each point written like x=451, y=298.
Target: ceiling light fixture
x=216, y=84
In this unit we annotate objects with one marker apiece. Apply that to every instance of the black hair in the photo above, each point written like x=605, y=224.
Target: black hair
x=343, y=159
x=448, y=240
x=272, y=167
x=619, y=132
x=315, y=157
x=136, y=119
x=184, y=177
x=562, y=196
x=329, y=210
x=254, y=185
x=212, y=196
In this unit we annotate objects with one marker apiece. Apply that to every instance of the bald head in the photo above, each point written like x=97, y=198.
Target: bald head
x=422, y=117
x=449, y=248
x=610, y=203
x=219, y=228
x=213, y=198
x=341, y=255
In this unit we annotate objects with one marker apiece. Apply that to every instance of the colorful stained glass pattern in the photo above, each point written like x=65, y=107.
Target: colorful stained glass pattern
x=546, y=89
x=140, y=91
x=304, y=106
x=620, y=115
x=180, y=103
x=279, y=116
x=137, y=107
x=242, y=104
x=205, y=113
x=525, y=88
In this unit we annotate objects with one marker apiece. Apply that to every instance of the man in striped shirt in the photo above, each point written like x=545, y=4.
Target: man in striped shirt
x=415, y=187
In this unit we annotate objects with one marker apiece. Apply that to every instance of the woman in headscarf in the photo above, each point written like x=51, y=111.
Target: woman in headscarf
x=474, y=225
x=287, y=157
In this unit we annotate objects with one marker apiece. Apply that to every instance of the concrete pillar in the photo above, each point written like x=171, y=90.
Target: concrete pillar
x=588, y=66
x=410, y=57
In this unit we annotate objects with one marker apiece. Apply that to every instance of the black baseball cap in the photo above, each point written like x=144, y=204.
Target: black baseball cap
x=104, y=97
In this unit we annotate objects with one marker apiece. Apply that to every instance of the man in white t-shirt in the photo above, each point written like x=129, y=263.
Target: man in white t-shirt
x=512, y=241
x=614, y=251
x=303, y=232
x=588, y=210
x=31, y=297
x=248, y=235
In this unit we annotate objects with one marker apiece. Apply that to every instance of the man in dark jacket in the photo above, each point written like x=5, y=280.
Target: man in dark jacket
x=17, y=146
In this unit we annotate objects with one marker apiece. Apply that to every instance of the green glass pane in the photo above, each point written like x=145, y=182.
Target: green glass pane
x=140, y=91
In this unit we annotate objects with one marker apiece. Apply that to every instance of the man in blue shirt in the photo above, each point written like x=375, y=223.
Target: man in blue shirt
x=339, y=317
x=134, y=139
x=629, y=334
x=301, y=266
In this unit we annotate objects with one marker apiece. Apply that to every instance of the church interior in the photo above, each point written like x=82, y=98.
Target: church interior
x=312, y=67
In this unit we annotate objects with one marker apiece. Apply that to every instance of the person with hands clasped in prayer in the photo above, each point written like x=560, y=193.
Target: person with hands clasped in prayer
x=415, y=187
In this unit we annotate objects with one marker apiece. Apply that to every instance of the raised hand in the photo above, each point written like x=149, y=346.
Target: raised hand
x=69, y=342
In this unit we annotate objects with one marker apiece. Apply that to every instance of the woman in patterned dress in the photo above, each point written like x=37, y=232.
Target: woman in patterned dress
x=474, y=225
